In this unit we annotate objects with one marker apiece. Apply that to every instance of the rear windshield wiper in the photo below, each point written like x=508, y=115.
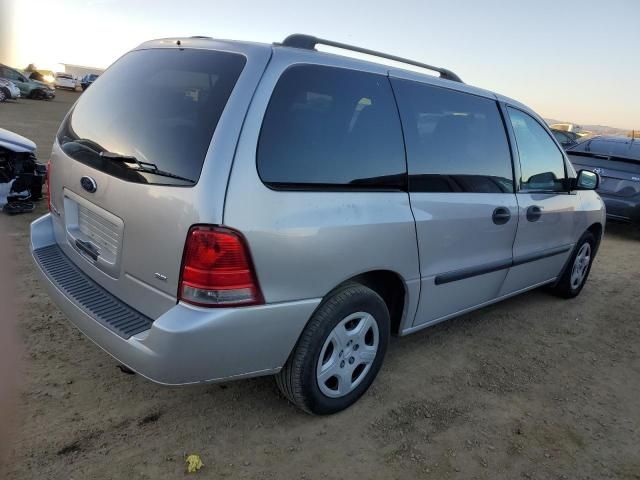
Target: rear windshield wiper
x=142, y=166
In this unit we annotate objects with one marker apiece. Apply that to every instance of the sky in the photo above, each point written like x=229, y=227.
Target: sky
x=569, y=60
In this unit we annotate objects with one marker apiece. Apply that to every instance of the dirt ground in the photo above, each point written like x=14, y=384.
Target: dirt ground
x=533, y=388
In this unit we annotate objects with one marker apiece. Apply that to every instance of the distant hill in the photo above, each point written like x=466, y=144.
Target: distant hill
x=595, y=129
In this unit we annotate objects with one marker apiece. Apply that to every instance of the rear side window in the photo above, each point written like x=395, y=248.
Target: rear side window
x=541, y=162
x=159, y=107
x=329, y=127
x=456, y=142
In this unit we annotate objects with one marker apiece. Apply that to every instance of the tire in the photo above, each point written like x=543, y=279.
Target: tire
x=4, y=94
x=572, y=281
x=35, y=95
x=351, y=313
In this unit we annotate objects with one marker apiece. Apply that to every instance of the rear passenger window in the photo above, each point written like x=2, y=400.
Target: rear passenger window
x=328, y=127
x=456, y=142
x=541, y=162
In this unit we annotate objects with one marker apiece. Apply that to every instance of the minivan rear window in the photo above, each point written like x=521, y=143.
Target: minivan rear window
x=151, y=116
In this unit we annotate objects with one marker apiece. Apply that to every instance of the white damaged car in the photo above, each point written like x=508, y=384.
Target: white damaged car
x=8, y=90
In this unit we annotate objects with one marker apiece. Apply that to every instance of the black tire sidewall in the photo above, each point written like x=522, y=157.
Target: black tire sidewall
x=364, y=301
x=591, y=240
x=6, y=94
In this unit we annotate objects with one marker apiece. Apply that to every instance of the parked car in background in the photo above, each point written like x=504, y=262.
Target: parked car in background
x=617, y=161
x=577, y=137
x=223, y=209
x=572, y=128
x=564, y=138
x=65, y=80
x=44, y=76
x=28, y=88
x=8, y=90
x=87, y=80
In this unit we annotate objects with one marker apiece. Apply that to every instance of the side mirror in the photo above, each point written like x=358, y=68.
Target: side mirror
x=587, y=180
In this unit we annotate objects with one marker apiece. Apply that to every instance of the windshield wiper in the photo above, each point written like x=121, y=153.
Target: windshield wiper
x=147, y=167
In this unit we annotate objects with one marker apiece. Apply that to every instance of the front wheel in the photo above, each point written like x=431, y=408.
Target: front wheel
x=4, y=94
x=577, y=270
x=339, y=352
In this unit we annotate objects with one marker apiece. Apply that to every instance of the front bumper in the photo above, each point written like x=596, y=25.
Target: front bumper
x=188, y=344
x=622, y=208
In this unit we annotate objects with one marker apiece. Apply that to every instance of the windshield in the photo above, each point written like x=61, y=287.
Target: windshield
x=160, y=106
x=620, y=147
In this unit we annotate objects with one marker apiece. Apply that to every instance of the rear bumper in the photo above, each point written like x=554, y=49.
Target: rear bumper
x=187, y=344
x=620, y=208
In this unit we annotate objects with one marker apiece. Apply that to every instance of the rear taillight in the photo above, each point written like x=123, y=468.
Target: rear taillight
x=49, y=185
x=217, y=270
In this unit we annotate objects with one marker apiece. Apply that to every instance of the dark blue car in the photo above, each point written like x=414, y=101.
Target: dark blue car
x=87, y=80
x=617, y=161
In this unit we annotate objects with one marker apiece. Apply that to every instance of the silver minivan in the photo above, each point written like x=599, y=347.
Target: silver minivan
x=223, y=209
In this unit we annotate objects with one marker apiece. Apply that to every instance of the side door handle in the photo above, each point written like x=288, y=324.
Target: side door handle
x=534, y=213
x=501, y=215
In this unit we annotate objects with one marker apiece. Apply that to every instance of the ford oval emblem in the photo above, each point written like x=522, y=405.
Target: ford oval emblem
x=89, y=184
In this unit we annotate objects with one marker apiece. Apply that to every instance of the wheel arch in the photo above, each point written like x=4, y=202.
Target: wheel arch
x=392, y=289
x=597, y=230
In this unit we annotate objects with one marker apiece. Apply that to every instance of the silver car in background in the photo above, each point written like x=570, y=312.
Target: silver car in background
x=223, y=209
x=8, y=90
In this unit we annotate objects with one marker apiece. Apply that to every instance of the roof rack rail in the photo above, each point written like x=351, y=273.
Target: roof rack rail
x=308, y=42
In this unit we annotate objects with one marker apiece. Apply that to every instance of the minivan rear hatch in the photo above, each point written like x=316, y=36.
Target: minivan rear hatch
x=126, y=168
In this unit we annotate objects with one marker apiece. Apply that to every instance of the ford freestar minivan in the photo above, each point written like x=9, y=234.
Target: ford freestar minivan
x=223, y=209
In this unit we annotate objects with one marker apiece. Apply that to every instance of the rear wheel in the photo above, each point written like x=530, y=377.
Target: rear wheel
x=577, y=271
x=339, y=352
x=4, y=94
